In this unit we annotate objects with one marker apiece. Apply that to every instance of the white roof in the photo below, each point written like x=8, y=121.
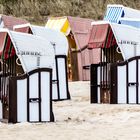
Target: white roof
x=57, y=38
x=33, y=51
x=128, y=39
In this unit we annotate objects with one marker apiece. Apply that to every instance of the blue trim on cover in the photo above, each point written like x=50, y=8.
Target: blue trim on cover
x=134, y=23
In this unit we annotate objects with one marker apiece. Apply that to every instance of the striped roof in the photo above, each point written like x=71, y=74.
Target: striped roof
x=59, y=24
x=115, y=12
x=29, y=49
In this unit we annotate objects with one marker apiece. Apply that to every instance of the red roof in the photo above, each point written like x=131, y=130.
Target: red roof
x=101, y=36
x=23, y=29
x=10, y=21
x=81, y=28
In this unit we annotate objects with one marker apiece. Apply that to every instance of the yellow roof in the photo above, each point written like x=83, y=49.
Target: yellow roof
x=60, y=24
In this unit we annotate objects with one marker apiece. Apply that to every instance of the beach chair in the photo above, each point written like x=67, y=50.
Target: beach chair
x=26, y=78
x=118, y=72
x=77, y=30
x=60, y=44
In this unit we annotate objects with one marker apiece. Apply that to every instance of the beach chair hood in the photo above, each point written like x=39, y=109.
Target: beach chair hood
x=115, y=12
x=59, y=24
x=56, y=38
x=101, y=36
x=32, y=51
x=128, y=39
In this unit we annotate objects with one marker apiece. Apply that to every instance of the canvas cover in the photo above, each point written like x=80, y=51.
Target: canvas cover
x=57, y=39
x=115, y=12
x=126, y=37
x=128, y=40
x=33, y=51
x=59, y=24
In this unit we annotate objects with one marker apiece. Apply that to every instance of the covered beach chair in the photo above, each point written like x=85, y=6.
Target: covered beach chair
x=25, y=78
x=114, y=12
x=103, y=37
x=118, y=73
x=77, y=31
x=60, y=44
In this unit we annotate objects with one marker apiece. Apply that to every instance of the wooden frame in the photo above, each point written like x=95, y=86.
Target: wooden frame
x=61, y=94
x=12, y=111
x=129, y=83
x=124, y=85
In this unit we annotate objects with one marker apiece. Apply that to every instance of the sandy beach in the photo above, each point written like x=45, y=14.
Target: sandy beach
x=77, y=119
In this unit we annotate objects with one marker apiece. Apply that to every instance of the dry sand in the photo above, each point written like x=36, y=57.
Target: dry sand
x=77, y=119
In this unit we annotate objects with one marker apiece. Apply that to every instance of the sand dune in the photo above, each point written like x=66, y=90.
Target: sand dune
x=77, y=119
